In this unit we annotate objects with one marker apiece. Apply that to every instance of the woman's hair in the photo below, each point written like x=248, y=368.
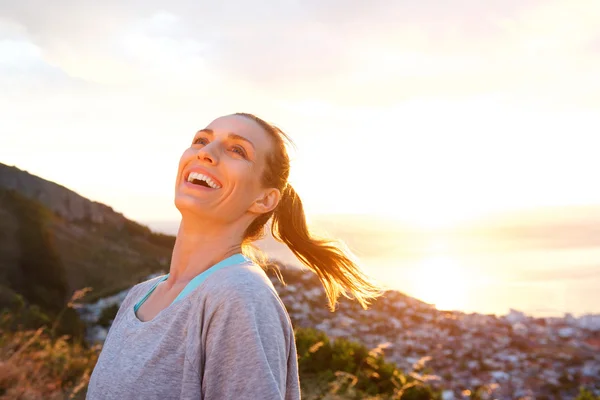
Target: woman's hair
x=334, y=266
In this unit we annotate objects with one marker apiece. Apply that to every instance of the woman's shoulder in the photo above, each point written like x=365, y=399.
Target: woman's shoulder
x=246, y=275
x=243, y=293
x=246, y=281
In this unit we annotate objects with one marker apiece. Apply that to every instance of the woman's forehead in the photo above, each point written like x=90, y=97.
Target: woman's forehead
x=239, y=125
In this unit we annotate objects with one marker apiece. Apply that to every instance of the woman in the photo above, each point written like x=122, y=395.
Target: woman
x=214, y=327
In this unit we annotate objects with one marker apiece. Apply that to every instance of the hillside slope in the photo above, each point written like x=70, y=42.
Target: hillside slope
x=54, y=241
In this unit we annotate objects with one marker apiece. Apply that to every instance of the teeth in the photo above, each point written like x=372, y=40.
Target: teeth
x=202, y=177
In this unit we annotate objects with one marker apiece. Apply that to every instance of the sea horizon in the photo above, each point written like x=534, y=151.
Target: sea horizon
x=548, y=267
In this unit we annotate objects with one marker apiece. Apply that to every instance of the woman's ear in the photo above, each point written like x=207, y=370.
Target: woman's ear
x=266, y=202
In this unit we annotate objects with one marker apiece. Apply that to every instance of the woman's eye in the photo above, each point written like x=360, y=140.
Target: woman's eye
x=200, y=141
x=239, y=150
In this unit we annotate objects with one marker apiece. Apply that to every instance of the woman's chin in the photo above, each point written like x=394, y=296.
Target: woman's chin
x=190, y=206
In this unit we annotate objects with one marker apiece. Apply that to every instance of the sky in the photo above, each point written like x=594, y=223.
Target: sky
x=431, y=112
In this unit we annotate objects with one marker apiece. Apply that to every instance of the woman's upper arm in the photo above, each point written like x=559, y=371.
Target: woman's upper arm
x=246, y=347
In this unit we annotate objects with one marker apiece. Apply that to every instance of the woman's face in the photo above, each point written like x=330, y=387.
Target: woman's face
x=219, y=175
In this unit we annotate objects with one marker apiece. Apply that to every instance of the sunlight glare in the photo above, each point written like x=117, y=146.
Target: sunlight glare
x=439, y=280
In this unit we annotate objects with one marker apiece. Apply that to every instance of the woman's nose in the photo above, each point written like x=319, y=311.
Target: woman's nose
x=208, y=154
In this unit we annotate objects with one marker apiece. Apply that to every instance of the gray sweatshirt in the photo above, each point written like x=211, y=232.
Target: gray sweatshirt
x=230, y=338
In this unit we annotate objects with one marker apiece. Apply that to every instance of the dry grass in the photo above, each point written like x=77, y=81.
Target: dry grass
x=36, y=365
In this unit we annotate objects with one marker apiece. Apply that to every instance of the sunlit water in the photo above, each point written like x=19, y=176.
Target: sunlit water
x=546, y=283
x=543, y=272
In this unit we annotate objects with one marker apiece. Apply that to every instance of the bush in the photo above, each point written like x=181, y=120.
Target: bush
x=348, y=368
x=17, y=314
x=585, y=394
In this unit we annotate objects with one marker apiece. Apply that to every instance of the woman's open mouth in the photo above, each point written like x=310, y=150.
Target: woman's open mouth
x=202, y=180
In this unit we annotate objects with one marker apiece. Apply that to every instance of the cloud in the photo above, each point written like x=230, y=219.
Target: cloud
x=338, y=51
x=22, y=65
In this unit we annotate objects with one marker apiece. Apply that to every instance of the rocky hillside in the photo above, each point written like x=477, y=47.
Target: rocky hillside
x=54, y=241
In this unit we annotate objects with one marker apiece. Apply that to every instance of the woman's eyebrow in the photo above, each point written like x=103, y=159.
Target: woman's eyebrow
x=230, y=135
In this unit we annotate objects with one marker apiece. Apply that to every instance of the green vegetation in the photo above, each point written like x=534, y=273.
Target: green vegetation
x=45, y=257
x=40, y=276
x=349, y=369
x=585, y=394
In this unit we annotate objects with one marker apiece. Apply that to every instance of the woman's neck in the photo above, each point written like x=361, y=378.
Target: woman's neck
x=199, y=247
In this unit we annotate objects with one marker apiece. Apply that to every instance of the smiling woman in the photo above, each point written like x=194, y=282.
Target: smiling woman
x=214, y=327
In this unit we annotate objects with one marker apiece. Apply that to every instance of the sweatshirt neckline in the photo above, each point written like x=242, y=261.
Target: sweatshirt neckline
x=174, y=304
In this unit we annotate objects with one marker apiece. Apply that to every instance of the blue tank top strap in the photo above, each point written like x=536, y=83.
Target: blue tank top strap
x=139, y=303
x=235, y=259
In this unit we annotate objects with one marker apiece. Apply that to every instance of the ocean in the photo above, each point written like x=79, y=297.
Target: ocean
x=541, y=267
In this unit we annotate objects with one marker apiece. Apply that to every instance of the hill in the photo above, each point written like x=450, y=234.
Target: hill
x=54, y=241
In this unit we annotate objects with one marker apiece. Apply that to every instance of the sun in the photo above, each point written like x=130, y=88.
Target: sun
x=440, y=280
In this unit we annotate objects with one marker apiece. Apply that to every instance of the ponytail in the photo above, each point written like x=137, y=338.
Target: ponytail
x=338, y=273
